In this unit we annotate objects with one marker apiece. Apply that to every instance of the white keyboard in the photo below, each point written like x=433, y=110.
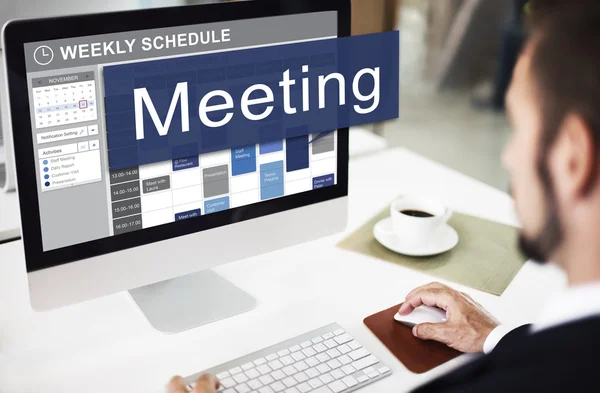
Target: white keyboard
x=326, y=360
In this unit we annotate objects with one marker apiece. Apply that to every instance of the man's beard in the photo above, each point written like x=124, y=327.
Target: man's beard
x=545, y=244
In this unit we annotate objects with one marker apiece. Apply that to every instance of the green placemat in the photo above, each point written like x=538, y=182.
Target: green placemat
x=486, y=257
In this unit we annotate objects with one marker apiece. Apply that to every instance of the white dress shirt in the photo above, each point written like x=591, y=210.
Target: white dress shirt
x=571, y=304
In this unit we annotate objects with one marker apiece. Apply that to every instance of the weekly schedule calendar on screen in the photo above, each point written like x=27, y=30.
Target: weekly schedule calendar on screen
x=78, y=111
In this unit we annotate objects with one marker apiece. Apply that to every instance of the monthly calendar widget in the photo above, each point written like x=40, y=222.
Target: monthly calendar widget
x=66, y=99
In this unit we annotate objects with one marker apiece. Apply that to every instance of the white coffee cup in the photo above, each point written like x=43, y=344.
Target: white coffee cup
x=417, y=231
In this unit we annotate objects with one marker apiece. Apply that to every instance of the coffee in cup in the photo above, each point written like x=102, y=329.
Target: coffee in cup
x=416, y=220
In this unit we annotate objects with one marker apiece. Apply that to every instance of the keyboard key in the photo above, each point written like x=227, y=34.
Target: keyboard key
x=368, y=370
x=301, y=377
x=322, y=389
x=275, y=364
x=289, y=382
x=260, y=361
x=359, y=354
x=304, y=387
x=350, y=381
x=365, y=362
x=343, y=339
x=301, y=365
x=230, y=390
x=306, y=344
x=295, y=348
x=315, y=383
x=312, y=373
x=252, y=374
x=362, y=378
x=354, y=344
x=323, y=368
x=265, y=389
x=320, y=348
x=283, y=352
x=339, y=331
x=323, y=357
x=289, y=370
x=278, y=387
x=287, y=360
x=298, y=356
x=243, y=388
x=228, y=382
x=338, y=374
x=266, y=379
x=344, y=349
x=348, y=369
x=292, y=390
x=255, y=384
x=334, y=363
x=344, y=359
x=337, y=386
x=264, y=369
x=383, y=370
x=272, y=357
x=317, y=340
x=277, y=375
x=333, y=353
x=309, y=352
x=223, y=375
x=374, y=374
x=327, y=378
x=330, y=344
x=235, y=370
x=327, y=336
x=240, y=378
x=312, y=361
x=247, y=366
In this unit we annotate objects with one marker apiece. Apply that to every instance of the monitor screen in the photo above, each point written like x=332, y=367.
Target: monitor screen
x=78, y=110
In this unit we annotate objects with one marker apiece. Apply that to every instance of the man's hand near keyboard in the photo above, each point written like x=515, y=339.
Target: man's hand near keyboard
x=204, y=384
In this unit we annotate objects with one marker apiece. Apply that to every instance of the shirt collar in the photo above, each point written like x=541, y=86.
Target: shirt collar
x=569, y=305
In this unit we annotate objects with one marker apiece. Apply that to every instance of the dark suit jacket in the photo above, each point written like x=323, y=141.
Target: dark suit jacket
x=561, y=359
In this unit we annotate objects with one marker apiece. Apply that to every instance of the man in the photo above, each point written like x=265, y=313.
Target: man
x=554, y=161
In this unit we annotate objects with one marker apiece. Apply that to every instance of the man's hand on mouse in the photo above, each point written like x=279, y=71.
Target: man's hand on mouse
x=204, y=384
x=467, y=324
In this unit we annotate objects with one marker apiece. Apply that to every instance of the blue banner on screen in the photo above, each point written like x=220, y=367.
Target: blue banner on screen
x=177, y=108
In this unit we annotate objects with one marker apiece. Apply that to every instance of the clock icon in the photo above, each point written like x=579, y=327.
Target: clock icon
x=43, y=55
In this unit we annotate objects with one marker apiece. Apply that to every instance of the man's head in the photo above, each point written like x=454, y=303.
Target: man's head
x=554, y=106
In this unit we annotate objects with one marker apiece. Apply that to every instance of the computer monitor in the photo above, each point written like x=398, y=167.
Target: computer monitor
x=155, y=229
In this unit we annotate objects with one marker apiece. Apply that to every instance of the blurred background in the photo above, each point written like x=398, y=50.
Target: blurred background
x=456, y=60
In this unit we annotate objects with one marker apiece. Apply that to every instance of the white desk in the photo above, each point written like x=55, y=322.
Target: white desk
x=107, y=346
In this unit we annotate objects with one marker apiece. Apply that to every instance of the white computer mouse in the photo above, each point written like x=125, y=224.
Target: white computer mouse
x=422, y=314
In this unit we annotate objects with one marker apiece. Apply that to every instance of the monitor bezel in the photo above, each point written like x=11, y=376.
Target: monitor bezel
x=18, y=33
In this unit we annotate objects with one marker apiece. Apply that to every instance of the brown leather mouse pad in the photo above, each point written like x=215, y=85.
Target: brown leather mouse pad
x=417, y=355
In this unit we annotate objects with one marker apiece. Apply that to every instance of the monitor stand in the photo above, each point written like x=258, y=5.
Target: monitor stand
x=183, y=303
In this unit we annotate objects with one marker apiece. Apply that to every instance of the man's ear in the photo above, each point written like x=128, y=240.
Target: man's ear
x=575, y=158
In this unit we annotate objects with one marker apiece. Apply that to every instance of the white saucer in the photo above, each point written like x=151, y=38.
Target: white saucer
x=444, y=240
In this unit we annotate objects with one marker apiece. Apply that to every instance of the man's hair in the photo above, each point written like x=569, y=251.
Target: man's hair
x=565, y=63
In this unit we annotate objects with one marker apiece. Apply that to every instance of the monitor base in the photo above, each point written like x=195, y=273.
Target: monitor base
x=183, y=303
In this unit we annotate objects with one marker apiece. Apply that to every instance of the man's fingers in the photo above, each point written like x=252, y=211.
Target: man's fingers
x=431, y=285
x=431, y=331
x=176, y=385
x=206, y=384
x=439, y=298
x=408, y=307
